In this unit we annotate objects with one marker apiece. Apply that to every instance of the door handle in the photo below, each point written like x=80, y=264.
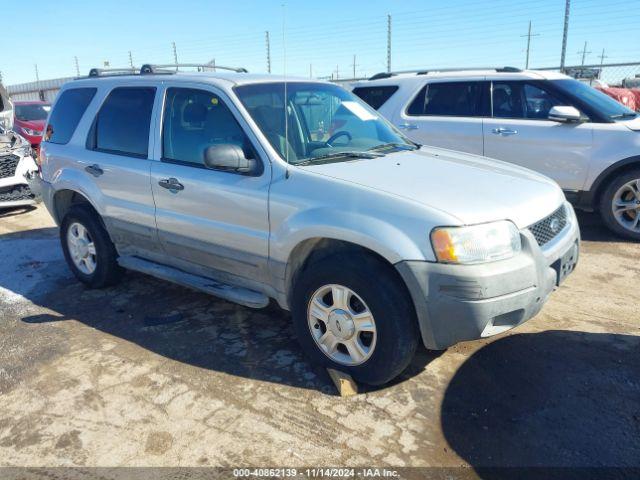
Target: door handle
x=408, y=126
x=504, y=131
x=171, y=184
x=94, y=170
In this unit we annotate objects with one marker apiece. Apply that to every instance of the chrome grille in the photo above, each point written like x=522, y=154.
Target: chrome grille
x=546, y=229
x=8, y=164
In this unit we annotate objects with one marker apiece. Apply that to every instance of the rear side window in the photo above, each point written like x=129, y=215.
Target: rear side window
x=67, y=114
x=375, y=96
x=123, y=123
x=454, y=99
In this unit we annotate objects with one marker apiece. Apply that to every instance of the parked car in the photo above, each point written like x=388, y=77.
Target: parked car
x=558, y=126
x=17, y=171
x=371, y=241
x=30, y=118
x=625, y=96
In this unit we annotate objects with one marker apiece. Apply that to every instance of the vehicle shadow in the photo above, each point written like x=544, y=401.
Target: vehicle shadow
x=13, y=211
x=167, y=319
x=592, y=229
x=550, y=399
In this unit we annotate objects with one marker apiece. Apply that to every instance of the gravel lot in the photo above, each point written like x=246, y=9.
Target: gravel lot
x=152, y=374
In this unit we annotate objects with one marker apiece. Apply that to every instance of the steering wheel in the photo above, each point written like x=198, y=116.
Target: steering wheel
x=341, y=133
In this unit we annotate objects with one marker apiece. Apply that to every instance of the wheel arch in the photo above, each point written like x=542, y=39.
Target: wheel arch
x=606, y=176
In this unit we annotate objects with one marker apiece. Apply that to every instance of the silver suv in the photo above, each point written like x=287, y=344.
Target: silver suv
x=254, y=187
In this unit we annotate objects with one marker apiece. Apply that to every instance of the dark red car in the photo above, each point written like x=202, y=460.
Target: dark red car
x=29, y=120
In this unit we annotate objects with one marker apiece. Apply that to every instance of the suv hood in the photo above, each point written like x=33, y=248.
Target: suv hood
x=471, y=188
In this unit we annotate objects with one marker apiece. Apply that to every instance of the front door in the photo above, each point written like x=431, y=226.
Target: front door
x=447, y=115
x=211, y=219
x=519, y=132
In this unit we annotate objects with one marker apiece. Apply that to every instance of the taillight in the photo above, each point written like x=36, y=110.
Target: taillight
x=40, y=158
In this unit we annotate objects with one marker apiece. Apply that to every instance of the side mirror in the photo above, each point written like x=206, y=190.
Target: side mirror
x=227, y=156
x=564, y=114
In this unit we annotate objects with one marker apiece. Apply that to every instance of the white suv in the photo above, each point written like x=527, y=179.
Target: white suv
x=546, y=121
x=250, y=188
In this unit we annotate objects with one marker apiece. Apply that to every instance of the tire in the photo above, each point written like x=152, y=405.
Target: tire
x=106, y=271
x=378, y=288
x=622, y=188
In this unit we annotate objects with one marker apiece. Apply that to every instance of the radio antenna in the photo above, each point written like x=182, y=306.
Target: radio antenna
x=286, y=98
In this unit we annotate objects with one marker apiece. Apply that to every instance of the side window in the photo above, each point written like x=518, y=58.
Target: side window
x=123, y=122
x=375, y=96
x=507, y=100
x=522, y=100
x=194, y=120
x=538, y=102
x=67, y=114
x=453, y=99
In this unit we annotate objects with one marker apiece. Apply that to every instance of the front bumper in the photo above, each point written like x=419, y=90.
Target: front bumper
x=455, y=303
x=16, y=188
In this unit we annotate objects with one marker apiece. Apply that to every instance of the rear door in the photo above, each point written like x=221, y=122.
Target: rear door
x=213, y=222
x=447, y=114
x=519, y=132
x=117, y=160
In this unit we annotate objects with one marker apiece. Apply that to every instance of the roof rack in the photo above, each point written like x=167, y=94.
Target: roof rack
x=169, y=67
x=382, y=75
x=101, y=72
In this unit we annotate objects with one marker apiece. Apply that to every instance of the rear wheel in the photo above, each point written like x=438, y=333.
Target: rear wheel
x=88, y=249
x=620, y=205
x=353, y=313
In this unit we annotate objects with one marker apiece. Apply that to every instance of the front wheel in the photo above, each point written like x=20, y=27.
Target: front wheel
x=620, y=205
x=353, y=314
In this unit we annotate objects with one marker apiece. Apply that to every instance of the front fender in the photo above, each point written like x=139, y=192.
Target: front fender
x=381, y=237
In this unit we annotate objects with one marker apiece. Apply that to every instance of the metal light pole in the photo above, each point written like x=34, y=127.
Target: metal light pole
x=389, y=43
x=268, y=51
x=567, y=9
x=529, y=35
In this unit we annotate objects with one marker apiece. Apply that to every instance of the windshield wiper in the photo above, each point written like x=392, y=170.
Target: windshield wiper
x=401, y=146
x=335, y=155
x=624, y=115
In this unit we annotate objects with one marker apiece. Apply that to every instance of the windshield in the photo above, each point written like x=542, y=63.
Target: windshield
x=323, y=122
x=31, y=112
x=597, y=100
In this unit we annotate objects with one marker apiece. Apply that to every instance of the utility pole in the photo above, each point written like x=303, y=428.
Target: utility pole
x=565, y=32
x=354, y=66
x=266, y=34
x=77, y=67
x=310, y=70
x=529, y=35
x=130, y=59
x=175, y=54
x=602, y=57
x=584, y=53
x=37, y=75
x=337, y=72
x=389, y=43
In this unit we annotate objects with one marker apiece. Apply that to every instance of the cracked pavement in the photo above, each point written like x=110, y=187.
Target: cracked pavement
x=152, y=374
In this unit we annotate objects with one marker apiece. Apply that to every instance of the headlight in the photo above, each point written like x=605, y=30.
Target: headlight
x=477, y=243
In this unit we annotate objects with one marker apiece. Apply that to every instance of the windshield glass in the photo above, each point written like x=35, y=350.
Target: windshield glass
x=323, y=121
x=31, y=112
x=596, y=99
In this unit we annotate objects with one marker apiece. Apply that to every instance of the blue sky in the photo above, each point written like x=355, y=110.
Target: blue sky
x=323, y=36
